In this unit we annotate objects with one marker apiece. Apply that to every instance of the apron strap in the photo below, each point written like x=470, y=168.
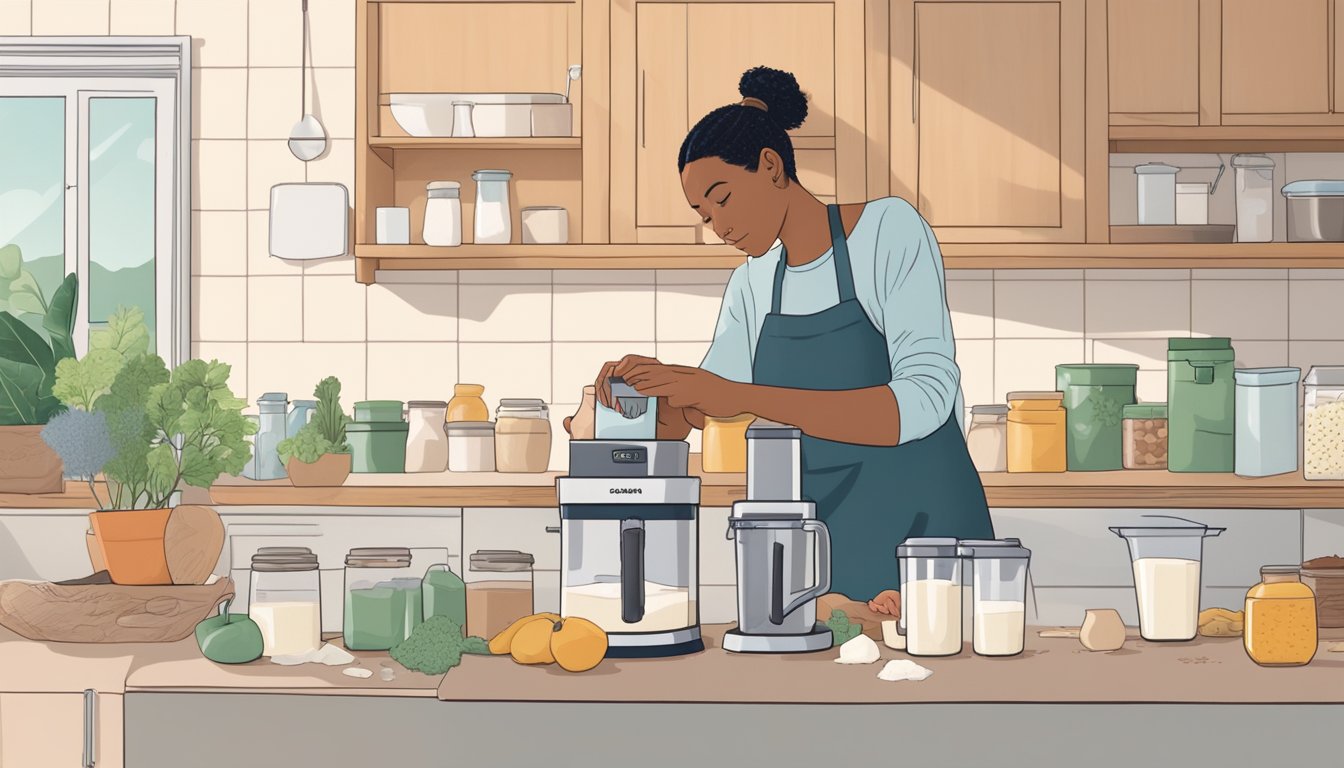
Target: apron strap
x=844, y=273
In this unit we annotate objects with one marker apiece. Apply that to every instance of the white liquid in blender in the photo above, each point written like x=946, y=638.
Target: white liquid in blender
x=999, y=627
x=1168, y=593
x=933, y=617
x=665, y=608
x=288, y=628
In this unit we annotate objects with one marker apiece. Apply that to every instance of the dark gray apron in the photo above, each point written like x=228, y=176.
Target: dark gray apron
x=871, y=497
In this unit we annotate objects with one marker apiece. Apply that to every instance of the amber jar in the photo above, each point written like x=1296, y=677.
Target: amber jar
x=724, y=444
x=1280, y=628
x=1036, y=432
x=467, y=404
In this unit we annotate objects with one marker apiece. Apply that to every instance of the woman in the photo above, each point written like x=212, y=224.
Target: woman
x=836, y=324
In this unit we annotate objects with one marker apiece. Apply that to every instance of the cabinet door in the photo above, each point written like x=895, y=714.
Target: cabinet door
x=1153, y=52
x=988, y=118
x=1276, y=62
x=47, y=729
x=662, y=121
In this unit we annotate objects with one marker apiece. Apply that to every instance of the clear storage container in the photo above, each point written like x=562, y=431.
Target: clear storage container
x=1037, y=435
x=522, y=436
x=987, y=438
x=383, y=598
x=931, y=586
x=1254, y=176
x=285, y=600
x=1145, y=436
x=1266, y=431
x=427, y=438
x=998, y=595
x=471, y=446
x=493, y=220
x=443, y=213
x=1094, y=399
x=499, y=590
x=1157, y=193
x=1323, y=417
x=1315, y=211
x=1166, y=555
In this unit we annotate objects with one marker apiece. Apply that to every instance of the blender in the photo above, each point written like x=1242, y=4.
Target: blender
x=1166, y=559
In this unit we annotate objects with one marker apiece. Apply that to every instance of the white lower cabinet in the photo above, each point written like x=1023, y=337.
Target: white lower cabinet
x=56, y=730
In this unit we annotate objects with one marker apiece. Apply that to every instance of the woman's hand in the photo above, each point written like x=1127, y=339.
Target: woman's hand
x=603, y=383
x=685, y=387
x=887, y=602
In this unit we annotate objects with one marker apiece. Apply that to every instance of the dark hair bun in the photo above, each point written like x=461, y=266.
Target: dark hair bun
x=779, y=90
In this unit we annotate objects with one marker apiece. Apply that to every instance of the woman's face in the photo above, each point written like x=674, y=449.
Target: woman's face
x=745, y=208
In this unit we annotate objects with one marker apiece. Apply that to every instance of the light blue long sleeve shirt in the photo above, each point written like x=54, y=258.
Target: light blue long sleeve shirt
x=898, y=279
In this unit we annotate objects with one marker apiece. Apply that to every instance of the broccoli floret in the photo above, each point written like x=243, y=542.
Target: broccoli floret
x=842, y=629
x=436, y=646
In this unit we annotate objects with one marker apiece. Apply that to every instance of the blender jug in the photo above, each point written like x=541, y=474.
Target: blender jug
x=773, y=592
x=998, y=596
x=1166, y=560
x=930, y=596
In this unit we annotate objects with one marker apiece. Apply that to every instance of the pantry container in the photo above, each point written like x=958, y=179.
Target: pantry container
x=471, y=446
x=931, y=583
x=1201, y=404
x=998, y=596
x=384, y=601
x=1325, y=577
x=724, y=444
x=544, y=224
x=1254, y=176
x=467, y=404
x=1266, y=426
x=1157, y=193
x=987, y=437
x=493, y=221
x=427, y=436
x=1323, y=415
x=443, y=213
x=1094, y=401
x=377, y=446
x=272, y=427
x=499, y=590
x=285, y=600
x=1166, y=554
x=392, y=226
x=1315, y=211
x=1192, y=203
x=1280, y=619
x=1145, y=436
x=378, y=410
x=1037, y=432
x=445, y=594
x=522, y=435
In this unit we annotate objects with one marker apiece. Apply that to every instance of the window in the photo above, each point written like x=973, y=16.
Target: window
x=94, y=179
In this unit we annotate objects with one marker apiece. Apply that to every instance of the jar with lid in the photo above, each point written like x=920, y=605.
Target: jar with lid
x=445, y=594
x=1280, y=628
x=1323, y=414
x=1254, y=179
x=987, y=437
x=443, y=213
x=471, y=446
x=522, y=436
x=427, y=438
x=1037, y=434
x=1266, y=425
x=493, y=221
x=285, y=600
x=724, y=443
x=1145, y=436
x=383, y=598
x=499, y=590
x=467, y=404
x=998, y=594
x=931, y=595
x=1325, y=577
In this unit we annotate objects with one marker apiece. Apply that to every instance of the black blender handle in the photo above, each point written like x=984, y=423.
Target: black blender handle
x=777, y=583
x=632, y=574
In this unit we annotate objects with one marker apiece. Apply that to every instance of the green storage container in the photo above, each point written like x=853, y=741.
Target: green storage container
x=1201, y=405
x=378, y=410
x=1094, y=400
x=377, y=446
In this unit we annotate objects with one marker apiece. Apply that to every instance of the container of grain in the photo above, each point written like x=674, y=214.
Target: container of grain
x=522, y=436
x=987, y=437
x=1323, y=418
x=1325, y=577
x=499, y=590
x=1145, y=436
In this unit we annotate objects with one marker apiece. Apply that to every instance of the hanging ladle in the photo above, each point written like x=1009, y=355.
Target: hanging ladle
x=308, y=139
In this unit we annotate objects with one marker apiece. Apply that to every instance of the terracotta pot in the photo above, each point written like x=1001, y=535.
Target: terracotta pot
x=132, y=545
x=27, y=463
x=330, y=469
x=95, y=551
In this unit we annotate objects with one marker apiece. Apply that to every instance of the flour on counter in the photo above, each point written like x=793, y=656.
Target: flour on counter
x=860, y=650
x=328, y=654
x=357, y=672
x=903, y=669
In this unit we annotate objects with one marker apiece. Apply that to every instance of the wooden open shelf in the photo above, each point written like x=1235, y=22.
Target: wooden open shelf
x=436, y=142
x=1226, y=138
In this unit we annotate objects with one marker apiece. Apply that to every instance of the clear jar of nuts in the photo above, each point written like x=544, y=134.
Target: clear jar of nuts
x=1145, y=436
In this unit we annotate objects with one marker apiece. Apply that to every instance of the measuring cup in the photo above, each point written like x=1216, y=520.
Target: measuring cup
x=1166, y=558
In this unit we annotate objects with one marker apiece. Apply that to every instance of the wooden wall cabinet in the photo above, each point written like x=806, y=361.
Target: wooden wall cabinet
x=1278, y=62
x=48, y=729
x=1153, y=61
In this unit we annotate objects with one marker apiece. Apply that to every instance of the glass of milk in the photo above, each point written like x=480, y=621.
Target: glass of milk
x=999, y=596
x=931, y=596
x=1166, y=557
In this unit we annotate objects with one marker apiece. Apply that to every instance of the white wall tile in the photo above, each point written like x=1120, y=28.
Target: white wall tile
x=332, y=27
x=1305, y=354
x=406, y=371
x=1241, y=309
x=259, y=259
x=1029, y=364
x=1151, y=387
x=968, y=274
x=577, y=364
x=1260, y=354
x=603, y=313
x=1132, y=275
x=272, y=102
x=1316, y=274
x=16, y=17
x=416, y=277
x=523, y=529
x=220, y=31
x=273, y=32
x=220, y=95
x=219, y=243
x=297, y=367
x=217, y=309
x=687, y=312
x=420, y=312
x=505, y=277
x=336, y=165
x=1038, y=310
x=971, y=304
x=269, y=162
x=604, y=276
x=331, y=95
x=234, y=354
x=70, y=17
x=143, y=17
x=1138, y=309
x=333, y=309
x=1314, y=312
x=718, y=277
x=220, y=179
x=681, y=352
x=336, y=265
x=506, y=370
x=504, y=313
x=1239, y=274
x=975, y=358
x=1038, y=274
x=275, y=309
x=1148, y=354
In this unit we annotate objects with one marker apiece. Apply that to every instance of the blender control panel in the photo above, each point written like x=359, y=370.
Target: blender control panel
x=630, y=456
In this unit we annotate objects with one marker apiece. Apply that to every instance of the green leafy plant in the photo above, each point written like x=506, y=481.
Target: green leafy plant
x=842, y=629
x=324, y=433
x=436, y=646
x=27, y=361
x=80, y=382
x=19, y=291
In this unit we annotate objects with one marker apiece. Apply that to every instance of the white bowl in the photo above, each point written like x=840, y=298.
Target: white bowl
x=494, y=114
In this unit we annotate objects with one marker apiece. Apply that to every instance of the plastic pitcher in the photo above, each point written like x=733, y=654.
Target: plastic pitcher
x=1166, y=558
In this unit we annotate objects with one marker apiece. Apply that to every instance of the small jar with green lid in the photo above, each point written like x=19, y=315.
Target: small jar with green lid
x=1145, y=436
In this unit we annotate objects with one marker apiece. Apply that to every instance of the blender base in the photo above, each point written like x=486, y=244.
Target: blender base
x=819, y=639
x=653, y=645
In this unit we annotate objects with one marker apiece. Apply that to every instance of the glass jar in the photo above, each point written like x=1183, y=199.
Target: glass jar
x=499, y=590
x=493, y=221
x=1254, y=179
x=443, y=213
x=987, y=437
x=1325, y=577
x=383, y=598
x=445, y=594
x=467, y=404
x=1266, y=422
x=1145, y=436
x=930, y=571
x=1323, y=414
x=998, y=596
x=522, y=436
x=1094, y=398
x=1280, y=629
x=471, y=446
x=273, y=413
x=1037, y=435
x=724, y=444
x=463, y=126
x=427, y=438
x=285, y=600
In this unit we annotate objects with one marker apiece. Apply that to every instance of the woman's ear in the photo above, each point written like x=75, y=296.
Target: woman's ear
x=773, y=165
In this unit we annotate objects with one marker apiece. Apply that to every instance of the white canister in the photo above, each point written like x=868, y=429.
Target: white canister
x=393, y=226
x=443, y=213
x=493, y=222
x=1266, y=426
x=471, y=446
x=462, y=120
x=1255, y=198
x=1157, y=193
x=1192, y=203
x=545, y=224
x=427, y=441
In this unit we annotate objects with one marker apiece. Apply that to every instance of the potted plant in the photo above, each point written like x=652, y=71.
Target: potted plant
x=163, y=428
x=28, y=372
x=318, y=455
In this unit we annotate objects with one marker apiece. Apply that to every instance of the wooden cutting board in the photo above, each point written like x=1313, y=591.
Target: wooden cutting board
x=99, y=612
x=192, y=543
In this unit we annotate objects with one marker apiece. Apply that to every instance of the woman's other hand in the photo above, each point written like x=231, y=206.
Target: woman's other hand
x=685, y=387
x=616, y=368
x=887, y=602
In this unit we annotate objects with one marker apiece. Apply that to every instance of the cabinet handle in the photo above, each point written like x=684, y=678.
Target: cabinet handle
x=914, y=72
x=90, y=753
x=643, y=97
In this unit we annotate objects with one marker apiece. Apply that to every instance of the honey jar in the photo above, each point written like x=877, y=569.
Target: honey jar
x=1036, y=432
x=1280, y=628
